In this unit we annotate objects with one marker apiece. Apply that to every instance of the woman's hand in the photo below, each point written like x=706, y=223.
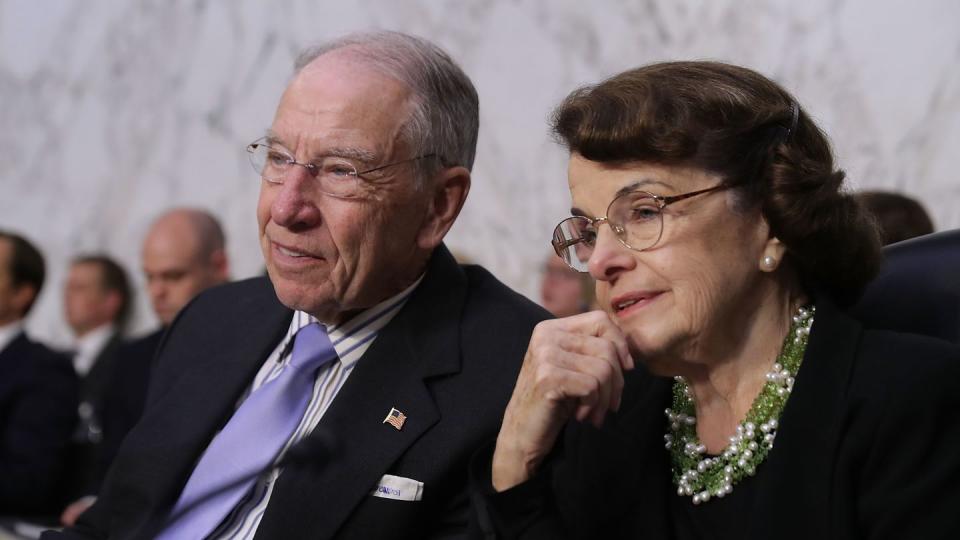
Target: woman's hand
x=573, y=366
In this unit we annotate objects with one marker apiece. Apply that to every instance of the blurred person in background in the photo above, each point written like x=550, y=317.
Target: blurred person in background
x=564, y=291
x=38, y=392
x=96, y=301
x=183, y=253
x=898, y=217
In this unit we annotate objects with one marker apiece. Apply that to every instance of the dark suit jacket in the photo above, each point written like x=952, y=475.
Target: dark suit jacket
x=96, y=383
x=448, y=360
x=85, y=453
x=38, y=407
x=867, y=448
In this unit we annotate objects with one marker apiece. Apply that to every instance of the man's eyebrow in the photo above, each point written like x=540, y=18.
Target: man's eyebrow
x=349, y=152
x=271, y=136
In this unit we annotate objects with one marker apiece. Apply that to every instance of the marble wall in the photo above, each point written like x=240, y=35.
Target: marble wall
x=111, y=111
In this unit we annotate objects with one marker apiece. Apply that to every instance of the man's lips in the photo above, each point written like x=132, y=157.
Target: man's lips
x=633, y=301
x=290, y=254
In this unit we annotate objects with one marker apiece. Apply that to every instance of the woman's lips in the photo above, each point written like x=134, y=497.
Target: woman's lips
x=627, y=304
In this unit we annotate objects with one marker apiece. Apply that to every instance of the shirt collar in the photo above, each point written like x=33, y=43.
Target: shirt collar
x=360, y=329
x=9, y=332
x=89, y=346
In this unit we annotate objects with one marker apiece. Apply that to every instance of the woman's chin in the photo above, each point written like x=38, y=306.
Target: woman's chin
x=653, y=353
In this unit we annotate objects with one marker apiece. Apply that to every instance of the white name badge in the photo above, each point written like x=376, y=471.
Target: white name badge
x=398, y=488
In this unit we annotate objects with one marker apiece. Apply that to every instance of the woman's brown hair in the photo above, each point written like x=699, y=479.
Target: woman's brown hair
x=738, y=124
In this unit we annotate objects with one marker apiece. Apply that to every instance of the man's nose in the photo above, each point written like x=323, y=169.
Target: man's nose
x=294, y=204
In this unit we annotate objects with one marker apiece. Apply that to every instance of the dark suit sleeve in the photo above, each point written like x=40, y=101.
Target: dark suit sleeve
x=36, y=432
x=911, y=478
x=526, y=511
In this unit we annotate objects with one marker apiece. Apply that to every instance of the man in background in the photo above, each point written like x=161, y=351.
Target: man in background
x=183, y=253
x=38, y=391
x=898, y=217
x=96, y=300
x=563, y=290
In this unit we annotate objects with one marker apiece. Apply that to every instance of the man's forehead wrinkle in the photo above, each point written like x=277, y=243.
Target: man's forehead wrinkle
x=362, y=115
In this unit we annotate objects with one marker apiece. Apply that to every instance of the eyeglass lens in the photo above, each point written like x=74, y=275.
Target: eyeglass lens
x=635, y=218
x=335, y=175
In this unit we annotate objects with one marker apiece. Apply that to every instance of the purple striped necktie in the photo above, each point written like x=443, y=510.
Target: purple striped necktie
x=251, y=440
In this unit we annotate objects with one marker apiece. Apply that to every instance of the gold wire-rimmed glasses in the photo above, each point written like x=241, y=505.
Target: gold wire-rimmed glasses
x=635, y=217
x=336, y=175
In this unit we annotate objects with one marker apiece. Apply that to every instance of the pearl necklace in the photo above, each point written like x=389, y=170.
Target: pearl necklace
x=706, y=477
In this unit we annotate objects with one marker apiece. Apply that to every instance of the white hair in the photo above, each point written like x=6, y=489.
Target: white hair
x=444, y=119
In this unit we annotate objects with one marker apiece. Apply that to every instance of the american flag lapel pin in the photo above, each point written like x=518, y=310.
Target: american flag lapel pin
x=395, y=418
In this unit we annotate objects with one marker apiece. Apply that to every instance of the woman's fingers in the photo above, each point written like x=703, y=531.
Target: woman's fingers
x=595, y=356
x=573, y=367
x=598, y=324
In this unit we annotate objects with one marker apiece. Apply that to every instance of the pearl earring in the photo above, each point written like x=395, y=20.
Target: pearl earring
x=769, y=263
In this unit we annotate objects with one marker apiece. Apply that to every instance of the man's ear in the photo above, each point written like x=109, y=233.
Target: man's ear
x=23, y=296
x=448, y=191
x=114, y=303
x=220, y=265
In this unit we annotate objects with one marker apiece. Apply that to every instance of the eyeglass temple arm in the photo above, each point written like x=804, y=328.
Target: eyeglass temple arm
x=670, y=200
x=560, y=245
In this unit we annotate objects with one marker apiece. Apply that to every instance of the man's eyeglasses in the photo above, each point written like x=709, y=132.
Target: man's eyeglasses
x=636, y=218
x=335, y=175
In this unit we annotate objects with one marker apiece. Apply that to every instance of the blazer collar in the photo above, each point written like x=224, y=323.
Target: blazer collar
x=802, y=460
x=356, y=446
x=216, y=370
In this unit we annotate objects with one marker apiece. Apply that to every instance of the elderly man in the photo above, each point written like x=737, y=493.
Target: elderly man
x=343, y=396
x=38, y=391
x=183, y=254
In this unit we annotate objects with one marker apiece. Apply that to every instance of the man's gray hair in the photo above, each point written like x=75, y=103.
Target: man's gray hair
x=445, y=117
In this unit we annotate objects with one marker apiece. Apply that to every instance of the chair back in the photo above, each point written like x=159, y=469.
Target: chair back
x=917, y=289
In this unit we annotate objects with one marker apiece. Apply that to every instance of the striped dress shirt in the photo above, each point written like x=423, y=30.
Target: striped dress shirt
x=350, y=339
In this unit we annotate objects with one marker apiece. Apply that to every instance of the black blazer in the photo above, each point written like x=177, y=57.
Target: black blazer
x=448, y=361
x=96, y=383
x=867, y=448
x=38, y=408
x=85, y=453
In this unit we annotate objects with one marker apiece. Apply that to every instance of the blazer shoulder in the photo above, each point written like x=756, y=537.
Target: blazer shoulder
x=906, y=367
x=488, y=295
x=248, y=293
x=496, y=325
x=42, y=359
x=217, y=316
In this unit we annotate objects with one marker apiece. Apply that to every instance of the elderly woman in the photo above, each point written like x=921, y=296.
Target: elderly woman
x=721, y=393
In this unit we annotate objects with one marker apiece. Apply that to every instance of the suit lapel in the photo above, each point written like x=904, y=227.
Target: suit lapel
x=13, y=359
x=355, y=446
x=95, y=382
x=800, y=468
x=194, y=409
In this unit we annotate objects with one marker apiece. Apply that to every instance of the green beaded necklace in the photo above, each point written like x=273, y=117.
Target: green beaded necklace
x=706, y=477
